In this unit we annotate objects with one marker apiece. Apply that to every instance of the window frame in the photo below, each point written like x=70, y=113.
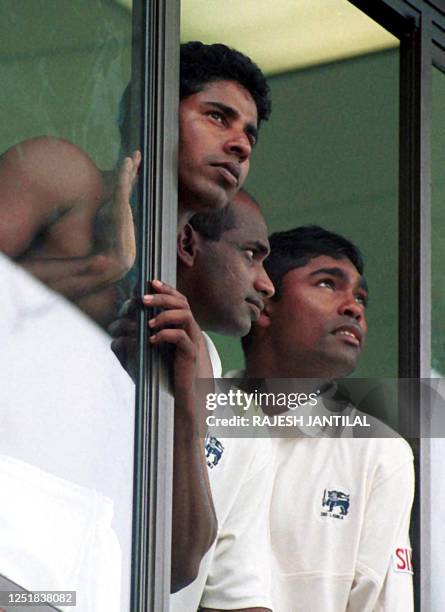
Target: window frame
x=420, y=25
x=156, y=74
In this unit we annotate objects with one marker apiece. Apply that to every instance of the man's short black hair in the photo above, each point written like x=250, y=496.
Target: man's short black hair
x=211, y=226
x=202, y=64
x=295, y=248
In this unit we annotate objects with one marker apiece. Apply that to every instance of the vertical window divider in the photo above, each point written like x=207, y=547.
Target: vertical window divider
x=157, y=25
x=415, y=290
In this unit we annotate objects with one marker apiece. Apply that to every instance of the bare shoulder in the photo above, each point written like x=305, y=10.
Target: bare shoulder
x=42, y=181
x=50, y=168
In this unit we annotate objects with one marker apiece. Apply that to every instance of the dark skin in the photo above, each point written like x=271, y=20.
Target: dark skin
x=175, y=325
x=66, y=222
x=193, y=516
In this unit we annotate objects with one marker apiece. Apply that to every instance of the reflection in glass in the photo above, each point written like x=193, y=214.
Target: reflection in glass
x=67, y=237
x=68, y=223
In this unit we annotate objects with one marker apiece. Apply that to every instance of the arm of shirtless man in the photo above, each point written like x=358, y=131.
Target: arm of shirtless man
x=63, y=219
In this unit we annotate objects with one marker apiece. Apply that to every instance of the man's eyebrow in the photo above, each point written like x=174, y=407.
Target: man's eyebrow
x=342, y=275
x=338, y=272
x=261, y=247
x=250, y=129
x=256, y=245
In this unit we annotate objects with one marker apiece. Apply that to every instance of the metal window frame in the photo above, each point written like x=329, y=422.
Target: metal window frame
x=156, y=76
x=420, y=25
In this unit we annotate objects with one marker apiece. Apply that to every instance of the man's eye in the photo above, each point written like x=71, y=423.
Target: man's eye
x=326, y=282
x=362, y=299
x=217, y=116
x=250, y=254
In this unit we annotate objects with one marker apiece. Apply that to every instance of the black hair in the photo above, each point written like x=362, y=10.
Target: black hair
x=211, y=226
x=202, y=64
x=296, y=247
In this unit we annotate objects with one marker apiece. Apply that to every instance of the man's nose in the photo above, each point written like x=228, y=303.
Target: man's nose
x=263, y=284
x=238, y=144
x=351, y=308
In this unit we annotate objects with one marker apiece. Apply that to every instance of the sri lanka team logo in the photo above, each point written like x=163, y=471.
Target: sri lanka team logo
x=335, y=504
x=214, y=450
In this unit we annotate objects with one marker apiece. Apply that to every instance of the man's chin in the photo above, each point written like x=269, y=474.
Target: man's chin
x=344, y=367
x=206, y=198
x=236, y=329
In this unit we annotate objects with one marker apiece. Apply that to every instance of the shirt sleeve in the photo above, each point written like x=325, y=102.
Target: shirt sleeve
x=239, y=575
x=383, y=577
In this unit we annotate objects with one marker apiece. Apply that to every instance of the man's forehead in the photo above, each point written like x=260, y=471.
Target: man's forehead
x=249, y=221
x=232, y=94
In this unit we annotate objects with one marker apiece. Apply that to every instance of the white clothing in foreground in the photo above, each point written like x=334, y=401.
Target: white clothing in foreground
x=235, y=573
x=66, y=419
x=339, y=520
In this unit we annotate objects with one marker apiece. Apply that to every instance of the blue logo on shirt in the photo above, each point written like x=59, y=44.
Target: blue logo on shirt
x=335, y=504
x=214, y=450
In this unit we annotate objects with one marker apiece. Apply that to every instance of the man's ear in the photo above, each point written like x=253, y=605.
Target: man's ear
x=187, y=245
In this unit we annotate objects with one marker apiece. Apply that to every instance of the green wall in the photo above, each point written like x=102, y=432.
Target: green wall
x=64, y=66
x=329, y=155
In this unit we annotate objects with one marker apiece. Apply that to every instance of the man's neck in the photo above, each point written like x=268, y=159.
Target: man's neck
x=264, y=364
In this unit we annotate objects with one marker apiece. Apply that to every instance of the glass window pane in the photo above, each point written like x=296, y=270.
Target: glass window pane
x=329, y=153
x=68, y=242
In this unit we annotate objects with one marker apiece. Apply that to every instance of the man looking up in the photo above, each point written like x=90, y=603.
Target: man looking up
x=315, y=327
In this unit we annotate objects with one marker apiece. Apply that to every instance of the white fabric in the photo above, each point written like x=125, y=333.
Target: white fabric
x=326, y=564
x=214, y=357
x=235, y=572
x=66, y=424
